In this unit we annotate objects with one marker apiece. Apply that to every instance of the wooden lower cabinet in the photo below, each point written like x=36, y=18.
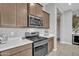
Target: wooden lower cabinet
x=50, y=44
x=25, y=50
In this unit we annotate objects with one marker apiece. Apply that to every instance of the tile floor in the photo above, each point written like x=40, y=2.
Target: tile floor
x=66, y=50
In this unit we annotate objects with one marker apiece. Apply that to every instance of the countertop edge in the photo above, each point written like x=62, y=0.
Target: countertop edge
x=16, y=46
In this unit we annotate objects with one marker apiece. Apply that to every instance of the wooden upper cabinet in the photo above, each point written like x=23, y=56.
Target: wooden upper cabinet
x=16, y=14
x=0, y=14
x=21, y=13
x=35, y=9
x=8, y=14
x=38, y=10
x=45, y=19
x=32, y=8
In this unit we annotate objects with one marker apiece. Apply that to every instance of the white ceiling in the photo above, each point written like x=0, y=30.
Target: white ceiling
x=66, y=6
x=74, y=7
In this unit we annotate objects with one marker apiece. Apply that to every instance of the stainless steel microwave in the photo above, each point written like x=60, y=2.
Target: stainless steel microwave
x=35, y=21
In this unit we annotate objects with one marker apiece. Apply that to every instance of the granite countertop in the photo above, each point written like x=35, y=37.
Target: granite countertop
x=14, y=42
x=48, y=36
x=77, y=34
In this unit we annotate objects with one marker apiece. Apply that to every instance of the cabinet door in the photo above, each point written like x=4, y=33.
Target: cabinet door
x=8, y=14
x=21, y=50
x=27, y=52
x=0, y=14
x=45, y=19
x=50, y=44
x=32, y=9
x=38, y=10
x=35, y=9
x=21, y=13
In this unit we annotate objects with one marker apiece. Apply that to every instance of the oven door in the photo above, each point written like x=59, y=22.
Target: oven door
x=41, y=50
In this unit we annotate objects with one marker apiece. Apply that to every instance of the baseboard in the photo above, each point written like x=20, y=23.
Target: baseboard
x=66, y=43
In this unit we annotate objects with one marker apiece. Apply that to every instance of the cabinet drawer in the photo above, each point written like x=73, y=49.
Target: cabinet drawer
x=16, y=50
x=27, y=52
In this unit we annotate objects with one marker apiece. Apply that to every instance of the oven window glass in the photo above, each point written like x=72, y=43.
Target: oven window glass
x=38, y=48
x=41, y=50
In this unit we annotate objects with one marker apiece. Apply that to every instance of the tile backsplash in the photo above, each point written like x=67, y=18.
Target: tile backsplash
x=20, y=32
x=13, y=32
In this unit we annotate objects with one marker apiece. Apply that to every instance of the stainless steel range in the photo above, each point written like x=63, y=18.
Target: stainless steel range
x=40, y=44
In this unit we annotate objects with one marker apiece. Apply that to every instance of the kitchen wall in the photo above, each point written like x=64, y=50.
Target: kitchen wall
x=13, y=32
x=51, y=8
x=58, y=27
x=66, y=27
x=20, y=32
